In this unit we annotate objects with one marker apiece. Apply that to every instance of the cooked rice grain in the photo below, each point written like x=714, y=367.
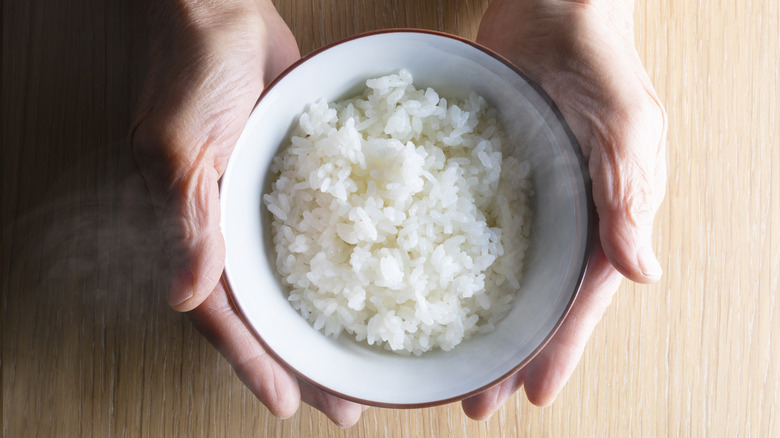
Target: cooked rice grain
x=397, y=219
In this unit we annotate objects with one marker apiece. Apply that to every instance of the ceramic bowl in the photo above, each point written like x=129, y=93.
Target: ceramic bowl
x=555, y=264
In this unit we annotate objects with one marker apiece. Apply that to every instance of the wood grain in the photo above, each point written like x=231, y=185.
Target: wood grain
x=89, y=347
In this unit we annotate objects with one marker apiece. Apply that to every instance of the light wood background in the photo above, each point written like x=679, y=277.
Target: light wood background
x=89, y=347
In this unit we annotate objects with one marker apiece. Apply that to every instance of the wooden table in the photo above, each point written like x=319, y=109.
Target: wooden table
x=89, y=347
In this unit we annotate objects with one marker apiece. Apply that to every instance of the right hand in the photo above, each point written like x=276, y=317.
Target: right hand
x=582, y=53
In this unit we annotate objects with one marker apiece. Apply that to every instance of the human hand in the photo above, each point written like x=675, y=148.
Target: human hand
x=208, y=65
x=582, y=53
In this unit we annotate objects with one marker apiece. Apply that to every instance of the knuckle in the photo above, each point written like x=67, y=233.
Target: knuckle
x=150, y=137
x=161, y=150
x=625, y=186
x=183, y=214
x=637, y=205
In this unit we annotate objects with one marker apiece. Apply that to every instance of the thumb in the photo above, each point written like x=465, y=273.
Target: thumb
x=196, y=239
x=183, y=183
x=628, y=174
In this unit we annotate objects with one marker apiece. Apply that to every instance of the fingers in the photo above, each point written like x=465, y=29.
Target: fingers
x=270, y=382
x=276, y=387
x=546, y=375
x=483, y=405
x=341, y=412
x=548, y=372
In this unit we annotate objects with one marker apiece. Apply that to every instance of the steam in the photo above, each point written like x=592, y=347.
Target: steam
x=90, y=248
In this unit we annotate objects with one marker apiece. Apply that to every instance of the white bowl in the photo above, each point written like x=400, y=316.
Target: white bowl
x=555, y=264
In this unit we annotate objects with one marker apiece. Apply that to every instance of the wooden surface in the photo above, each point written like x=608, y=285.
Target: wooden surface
x=89, y=347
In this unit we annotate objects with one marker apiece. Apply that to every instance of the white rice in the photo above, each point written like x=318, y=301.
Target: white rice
x=397, y=220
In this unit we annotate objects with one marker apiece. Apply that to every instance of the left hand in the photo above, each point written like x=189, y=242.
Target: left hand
x=209, y=62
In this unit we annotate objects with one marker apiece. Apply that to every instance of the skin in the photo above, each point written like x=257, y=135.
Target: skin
x=582, y=53
x=209, y=61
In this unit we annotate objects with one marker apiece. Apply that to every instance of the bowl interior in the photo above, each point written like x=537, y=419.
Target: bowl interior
x=560, y=231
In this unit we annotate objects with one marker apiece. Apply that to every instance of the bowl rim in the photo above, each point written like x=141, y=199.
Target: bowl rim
x=589, y=215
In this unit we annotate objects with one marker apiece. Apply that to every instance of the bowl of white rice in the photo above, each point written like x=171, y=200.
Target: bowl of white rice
x=407, y=219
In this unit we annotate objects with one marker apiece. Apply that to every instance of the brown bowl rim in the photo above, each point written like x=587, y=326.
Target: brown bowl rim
x=589, y=217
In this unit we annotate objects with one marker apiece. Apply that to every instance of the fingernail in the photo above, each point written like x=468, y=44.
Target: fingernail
x=181, y=289
x=649, y=264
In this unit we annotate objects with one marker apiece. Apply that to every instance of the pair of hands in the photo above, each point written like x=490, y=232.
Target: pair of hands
x=210, y=62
